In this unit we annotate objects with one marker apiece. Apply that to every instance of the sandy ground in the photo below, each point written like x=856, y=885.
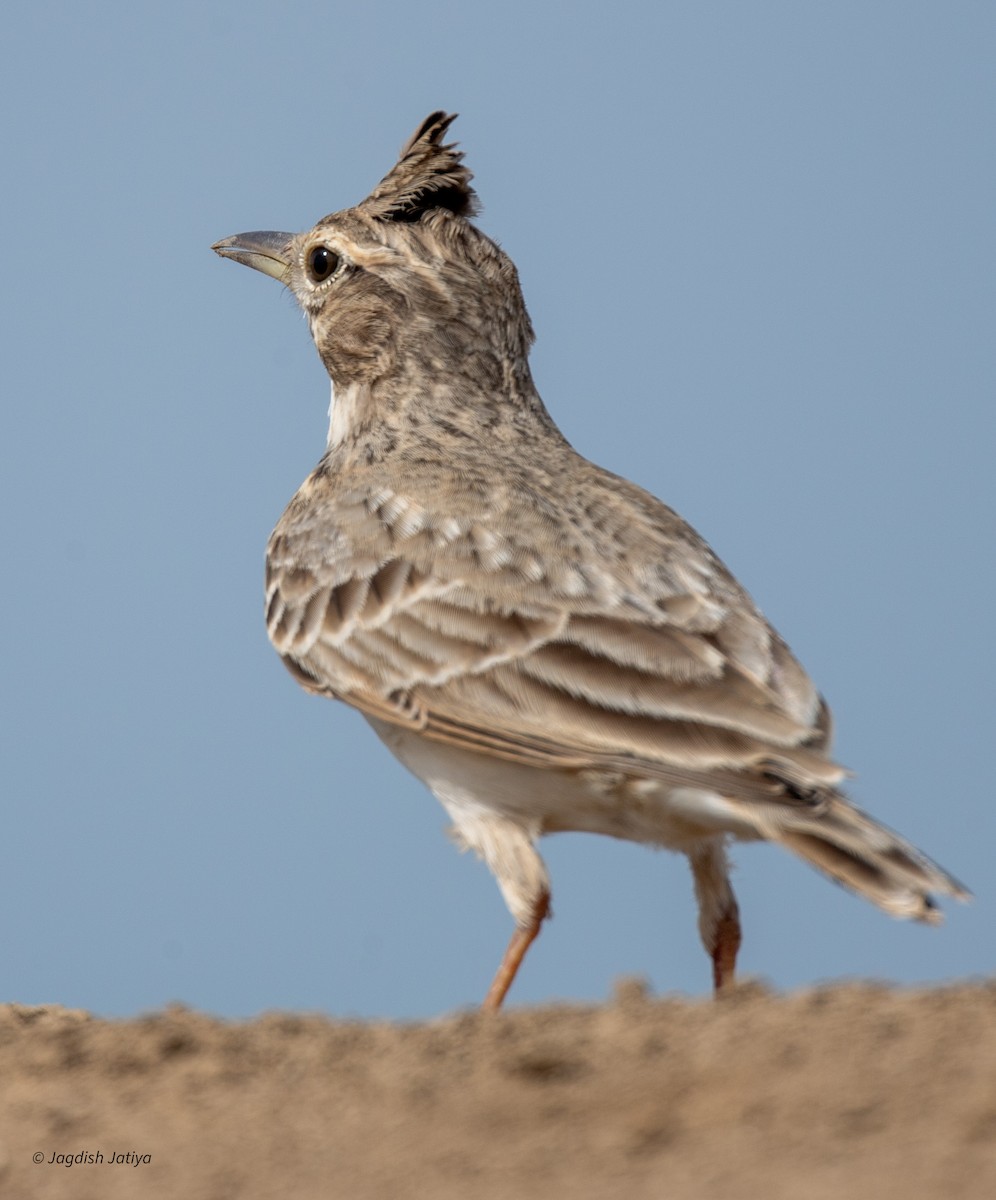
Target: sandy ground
x=855, y=1090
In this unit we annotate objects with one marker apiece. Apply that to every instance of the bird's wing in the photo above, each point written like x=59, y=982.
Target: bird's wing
x=485, y=638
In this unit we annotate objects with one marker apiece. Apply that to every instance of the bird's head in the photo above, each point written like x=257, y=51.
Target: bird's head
x=403, y=288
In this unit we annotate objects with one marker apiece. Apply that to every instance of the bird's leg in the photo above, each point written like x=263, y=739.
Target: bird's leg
x=521, y=940
x=724, y=950
x=509, y=849
x=719, y=916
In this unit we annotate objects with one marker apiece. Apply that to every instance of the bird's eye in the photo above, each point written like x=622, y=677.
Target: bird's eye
x=322, y=262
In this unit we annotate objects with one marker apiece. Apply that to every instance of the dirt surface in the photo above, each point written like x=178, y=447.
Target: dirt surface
x=856, y=1090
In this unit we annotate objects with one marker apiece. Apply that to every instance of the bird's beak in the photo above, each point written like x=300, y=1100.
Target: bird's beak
x=263, y=250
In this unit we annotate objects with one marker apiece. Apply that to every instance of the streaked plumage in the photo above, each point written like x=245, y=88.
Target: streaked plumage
x=545, y=644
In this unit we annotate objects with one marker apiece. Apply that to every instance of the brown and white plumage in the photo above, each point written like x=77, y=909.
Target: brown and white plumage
x=545, y=644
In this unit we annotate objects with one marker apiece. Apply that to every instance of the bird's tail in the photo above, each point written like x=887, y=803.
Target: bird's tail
x=837, y=838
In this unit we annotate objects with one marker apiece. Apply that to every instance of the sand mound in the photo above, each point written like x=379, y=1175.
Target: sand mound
x=849, y=1090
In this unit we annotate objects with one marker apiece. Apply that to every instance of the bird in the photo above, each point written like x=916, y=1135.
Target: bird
x=543, y=643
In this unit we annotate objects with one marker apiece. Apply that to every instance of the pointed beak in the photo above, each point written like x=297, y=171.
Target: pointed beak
x=264, y=250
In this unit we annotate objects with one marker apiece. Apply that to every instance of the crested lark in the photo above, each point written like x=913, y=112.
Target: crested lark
x=547, y=646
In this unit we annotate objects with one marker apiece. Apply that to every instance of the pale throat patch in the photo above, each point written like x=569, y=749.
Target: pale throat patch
x=331, y=439
x=342, y=411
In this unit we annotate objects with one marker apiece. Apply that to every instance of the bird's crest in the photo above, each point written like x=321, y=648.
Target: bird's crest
x=428, y=175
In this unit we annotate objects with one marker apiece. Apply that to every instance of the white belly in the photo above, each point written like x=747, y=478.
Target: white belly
x=471, y=786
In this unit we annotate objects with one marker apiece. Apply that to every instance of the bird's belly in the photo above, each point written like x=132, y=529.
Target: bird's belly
x=541, y=801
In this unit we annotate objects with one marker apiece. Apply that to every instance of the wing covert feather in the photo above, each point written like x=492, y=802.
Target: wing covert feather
x=482, y=638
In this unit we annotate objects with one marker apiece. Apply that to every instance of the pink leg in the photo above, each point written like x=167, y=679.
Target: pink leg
x=724, y=951
x=719, y=917
x=521, y=940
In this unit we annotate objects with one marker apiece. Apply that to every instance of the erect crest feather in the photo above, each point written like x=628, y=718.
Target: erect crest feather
x=428, y=175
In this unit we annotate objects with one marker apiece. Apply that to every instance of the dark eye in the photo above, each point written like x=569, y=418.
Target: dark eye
x=322, y=262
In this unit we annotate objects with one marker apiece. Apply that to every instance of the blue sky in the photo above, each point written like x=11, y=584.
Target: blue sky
x=756, y=241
